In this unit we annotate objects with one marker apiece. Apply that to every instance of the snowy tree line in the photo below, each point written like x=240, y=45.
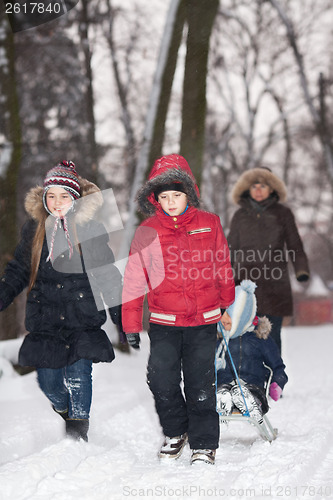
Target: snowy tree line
x=114, y=84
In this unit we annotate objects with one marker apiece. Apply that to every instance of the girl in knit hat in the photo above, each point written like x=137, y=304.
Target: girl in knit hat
x=251, y=349
x=65, y=261
x=181, y=255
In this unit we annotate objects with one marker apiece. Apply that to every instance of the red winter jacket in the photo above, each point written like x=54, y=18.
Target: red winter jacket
x=182, y=262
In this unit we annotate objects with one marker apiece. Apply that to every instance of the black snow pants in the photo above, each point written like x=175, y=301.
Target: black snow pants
x=181, y=375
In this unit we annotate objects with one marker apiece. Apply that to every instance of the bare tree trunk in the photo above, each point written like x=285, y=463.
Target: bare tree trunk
x=166, y=83
x=318, y=126
x=200, y=17
x=9, y=323
x=123, y=97
x=155, y=96
x=84, y=36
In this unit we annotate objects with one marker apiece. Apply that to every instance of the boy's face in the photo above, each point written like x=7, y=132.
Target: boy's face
x=58, y=201
x=173, y=202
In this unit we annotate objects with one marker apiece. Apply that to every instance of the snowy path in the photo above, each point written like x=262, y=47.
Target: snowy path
x=119, y=461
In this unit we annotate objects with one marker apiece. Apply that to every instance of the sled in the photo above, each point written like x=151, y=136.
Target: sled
x=265, y=429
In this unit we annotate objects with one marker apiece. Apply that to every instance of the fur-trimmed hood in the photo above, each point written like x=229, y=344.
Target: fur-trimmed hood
x=263, y=328
x=167, y=169
x=255, y=175
x=35, y=208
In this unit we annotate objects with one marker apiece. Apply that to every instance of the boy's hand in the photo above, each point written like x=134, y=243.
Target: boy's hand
x=133, y=339
x=226, y=321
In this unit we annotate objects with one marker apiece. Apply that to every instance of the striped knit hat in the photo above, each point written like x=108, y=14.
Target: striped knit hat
x=63, y=175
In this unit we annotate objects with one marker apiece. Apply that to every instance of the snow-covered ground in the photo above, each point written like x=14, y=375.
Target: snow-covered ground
x=119, y=462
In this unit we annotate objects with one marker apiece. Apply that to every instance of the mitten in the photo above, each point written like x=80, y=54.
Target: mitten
x=115, y=315
x=133, y=339
x=275, y=391
x=302, y=277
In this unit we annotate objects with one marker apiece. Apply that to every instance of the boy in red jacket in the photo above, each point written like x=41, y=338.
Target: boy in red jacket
x=180, y=254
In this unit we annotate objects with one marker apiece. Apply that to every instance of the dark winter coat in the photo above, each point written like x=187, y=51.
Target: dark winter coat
x=249, y=352
x=183, y=260
x=263, y=238
x=64, y=310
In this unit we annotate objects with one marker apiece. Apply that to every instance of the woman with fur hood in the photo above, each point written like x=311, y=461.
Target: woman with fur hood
x=65, y=261
x=251, y=348
x=181, y=255
x=263, y=239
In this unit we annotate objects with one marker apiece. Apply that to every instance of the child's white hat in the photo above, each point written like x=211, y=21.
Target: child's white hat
x=243, y=310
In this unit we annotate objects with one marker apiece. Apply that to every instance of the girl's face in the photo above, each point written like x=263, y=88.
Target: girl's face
x=58, y=201
x=173, y=202
x=260, y=191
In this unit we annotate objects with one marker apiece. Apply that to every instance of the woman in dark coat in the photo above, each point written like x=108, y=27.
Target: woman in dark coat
x=263, y=239
x=65, y=261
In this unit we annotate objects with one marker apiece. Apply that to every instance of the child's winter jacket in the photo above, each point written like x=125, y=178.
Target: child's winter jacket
x=249, y=352
x=182, y=261
x=62, y=318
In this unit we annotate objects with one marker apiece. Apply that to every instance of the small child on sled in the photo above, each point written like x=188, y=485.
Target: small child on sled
x=251, y=349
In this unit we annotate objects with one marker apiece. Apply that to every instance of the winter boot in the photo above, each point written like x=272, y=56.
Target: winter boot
x=203, y=456
x=224, y=402
x=77, y=429
x=173, y=446
x=63, y=414
x=252, y=404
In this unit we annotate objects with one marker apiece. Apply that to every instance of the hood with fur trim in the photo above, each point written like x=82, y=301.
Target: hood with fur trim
x=263, y=328
x=35, y=208
x=255, y=175
x=168, y=169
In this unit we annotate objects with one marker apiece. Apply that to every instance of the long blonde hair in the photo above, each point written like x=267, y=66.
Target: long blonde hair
x=37, y=246
x=36, y=249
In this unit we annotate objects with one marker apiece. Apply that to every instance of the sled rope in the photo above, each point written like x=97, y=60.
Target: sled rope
x=247, y=413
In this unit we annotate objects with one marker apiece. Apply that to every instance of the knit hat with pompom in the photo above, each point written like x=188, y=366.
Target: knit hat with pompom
x=243, y=310
x=65, y=176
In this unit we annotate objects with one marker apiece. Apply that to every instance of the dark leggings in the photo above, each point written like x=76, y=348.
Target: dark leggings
x=187, y=351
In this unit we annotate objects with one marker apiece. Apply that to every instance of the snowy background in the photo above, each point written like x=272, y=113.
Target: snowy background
x=120, y=461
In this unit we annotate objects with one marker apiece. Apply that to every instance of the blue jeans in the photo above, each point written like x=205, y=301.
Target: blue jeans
x=68, y=388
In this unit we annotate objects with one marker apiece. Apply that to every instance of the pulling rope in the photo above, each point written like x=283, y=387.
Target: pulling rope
x=247, y=413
